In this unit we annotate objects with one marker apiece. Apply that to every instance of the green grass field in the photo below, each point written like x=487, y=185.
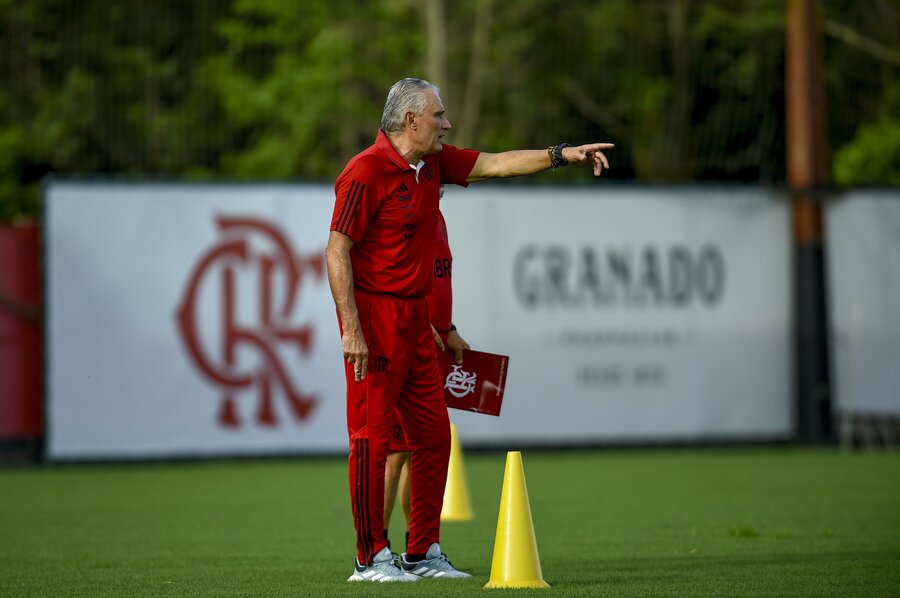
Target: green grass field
x=712, y=522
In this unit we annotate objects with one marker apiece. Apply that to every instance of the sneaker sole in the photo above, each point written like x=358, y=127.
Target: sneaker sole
x=382, y=578
x=429, y=573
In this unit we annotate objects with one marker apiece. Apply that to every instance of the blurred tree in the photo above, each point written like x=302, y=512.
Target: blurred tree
x=463, y=94
x=872, y=157
x=687, y=89
x=863, y=94
x=304, y=82
x=99, y=88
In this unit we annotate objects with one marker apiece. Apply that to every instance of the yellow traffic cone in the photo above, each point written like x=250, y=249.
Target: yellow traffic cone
x=456, y=493
x=516, y=562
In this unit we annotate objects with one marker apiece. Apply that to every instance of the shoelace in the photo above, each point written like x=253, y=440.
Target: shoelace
x=443, y=558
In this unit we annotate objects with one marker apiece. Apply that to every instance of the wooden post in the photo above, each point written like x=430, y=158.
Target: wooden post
x=808, y=174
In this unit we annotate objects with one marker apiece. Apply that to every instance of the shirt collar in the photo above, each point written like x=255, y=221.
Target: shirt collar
x=384, y=145
x=417, y=168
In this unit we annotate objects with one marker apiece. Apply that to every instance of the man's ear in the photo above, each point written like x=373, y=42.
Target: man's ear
x=410, y=118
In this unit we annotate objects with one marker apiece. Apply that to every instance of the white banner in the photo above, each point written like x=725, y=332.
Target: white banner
x=196, y=319
x=864, y=277
x=191, y=320
x=629, y=314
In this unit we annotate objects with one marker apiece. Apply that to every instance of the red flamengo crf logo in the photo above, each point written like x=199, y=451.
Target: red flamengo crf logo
x=252, y=278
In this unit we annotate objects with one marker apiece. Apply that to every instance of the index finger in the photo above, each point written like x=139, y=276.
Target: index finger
x=360, y=371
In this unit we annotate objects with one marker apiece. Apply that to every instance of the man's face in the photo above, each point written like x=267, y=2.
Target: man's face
x=431, y=125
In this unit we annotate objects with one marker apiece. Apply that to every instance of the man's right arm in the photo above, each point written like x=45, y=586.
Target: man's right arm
x=340, y=278
x=524, y=162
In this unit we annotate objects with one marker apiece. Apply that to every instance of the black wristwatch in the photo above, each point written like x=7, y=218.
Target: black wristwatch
x=556, y=156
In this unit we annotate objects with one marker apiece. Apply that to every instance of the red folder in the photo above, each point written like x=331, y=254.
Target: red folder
x=477, y=383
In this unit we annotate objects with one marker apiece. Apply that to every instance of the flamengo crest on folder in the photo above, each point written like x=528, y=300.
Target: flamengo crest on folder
x=477, y=383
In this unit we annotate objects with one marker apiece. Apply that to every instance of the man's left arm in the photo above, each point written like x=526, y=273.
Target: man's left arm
x=524, y=162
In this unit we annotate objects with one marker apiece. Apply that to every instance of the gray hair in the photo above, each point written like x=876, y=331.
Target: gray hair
x=404, y=96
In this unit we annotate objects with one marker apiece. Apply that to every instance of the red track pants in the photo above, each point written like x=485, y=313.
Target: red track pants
x=402, y=380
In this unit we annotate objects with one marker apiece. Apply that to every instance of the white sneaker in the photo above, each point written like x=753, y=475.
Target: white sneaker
x=383, y=569
x=435, y=565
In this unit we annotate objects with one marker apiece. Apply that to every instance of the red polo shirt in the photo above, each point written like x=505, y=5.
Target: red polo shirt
x=391, y=215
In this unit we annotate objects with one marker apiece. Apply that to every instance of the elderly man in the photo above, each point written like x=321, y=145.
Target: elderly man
x=379, y=258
